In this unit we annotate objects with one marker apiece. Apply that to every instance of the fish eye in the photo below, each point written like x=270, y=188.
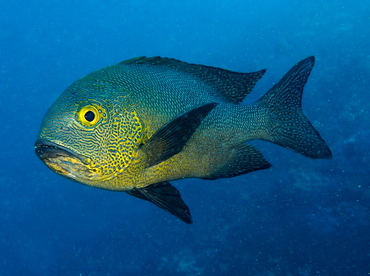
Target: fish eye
x=90, y=115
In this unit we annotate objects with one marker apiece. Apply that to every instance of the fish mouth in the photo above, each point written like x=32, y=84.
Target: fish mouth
x=46, y=149
x=63, y=160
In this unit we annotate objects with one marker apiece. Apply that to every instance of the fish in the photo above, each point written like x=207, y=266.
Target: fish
x=139, y=124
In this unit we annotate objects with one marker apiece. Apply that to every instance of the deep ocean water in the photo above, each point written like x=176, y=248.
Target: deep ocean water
x=301, y=217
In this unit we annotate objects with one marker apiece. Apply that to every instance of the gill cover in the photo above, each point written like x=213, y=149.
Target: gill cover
x=105, y=132
x=113, y=139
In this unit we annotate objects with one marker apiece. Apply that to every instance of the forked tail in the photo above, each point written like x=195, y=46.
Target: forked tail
x=286, y=124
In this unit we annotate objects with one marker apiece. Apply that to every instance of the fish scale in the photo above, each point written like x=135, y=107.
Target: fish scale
x=141, y=123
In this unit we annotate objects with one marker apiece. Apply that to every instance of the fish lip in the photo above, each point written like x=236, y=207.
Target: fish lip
x=46, y=149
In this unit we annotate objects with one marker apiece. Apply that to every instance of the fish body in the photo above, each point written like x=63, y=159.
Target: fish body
x=138, y=124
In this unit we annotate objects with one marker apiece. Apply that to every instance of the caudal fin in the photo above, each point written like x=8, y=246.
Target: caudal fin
x=287, y=125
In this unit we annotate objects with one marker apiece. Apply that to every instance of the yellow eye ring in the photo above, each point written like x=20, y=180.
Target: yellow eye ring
x=90, y=115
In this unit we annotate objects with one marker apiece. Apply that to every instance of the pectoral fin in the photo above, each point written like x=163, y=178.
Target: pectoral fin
x=172, y=137
x=165, y=196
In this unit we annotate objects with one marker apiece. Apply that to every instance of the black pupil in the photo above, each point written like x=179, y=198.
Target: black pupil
x=89, y=116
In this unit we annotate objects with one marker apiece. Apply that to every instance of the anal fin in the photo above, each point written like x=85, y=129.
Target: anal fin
x=239, y=160
x=166, y=197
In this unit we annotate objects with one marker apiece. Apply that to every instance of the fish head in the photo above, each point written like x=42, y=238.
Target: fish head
x=89, y=134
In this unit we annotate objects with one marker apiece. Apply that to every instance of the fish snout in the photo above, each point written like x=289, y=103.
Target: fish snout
x=62, y=160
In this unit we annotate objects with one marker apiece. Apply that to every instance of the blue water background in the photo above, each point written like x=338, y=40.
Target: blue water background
x=301, y=217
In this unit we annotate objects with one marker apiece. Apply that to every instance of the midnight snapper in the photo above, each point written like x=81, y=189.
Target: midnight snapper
x=138, y=124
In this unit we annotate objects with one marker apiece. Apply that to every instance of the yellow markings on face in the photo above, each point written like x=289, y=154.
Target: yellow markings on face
x=107, y=135
x=90, y=115
x=124, y=138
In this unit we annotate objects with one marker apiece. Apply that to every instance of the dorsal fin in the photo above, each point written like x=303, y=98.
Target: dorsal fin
x=232, y=86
